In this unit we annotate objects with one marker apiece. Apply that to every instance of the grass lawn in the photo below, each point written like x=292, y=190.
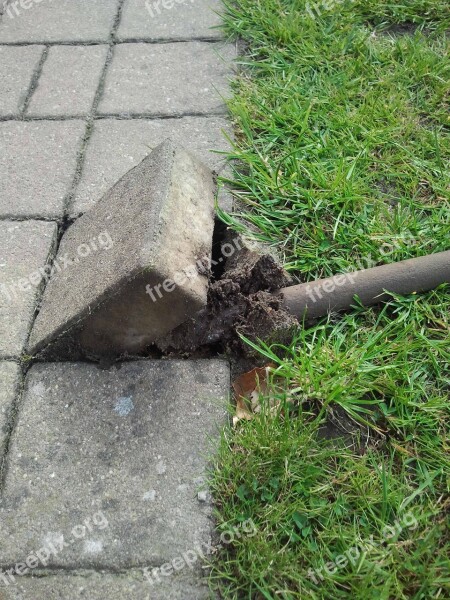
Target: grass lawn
x=343, y=146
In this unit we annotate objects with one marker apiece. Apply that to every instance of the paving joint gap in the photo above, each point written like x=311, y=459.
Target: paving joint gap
x=158, y=116
x=34, y=82
x=57, y=43
x=52, y=570
x=20, y=218
x=206, y=40
x=117, y=116
x=11, y=424
x=180, y=40
x=41, y=118
x=53, y=251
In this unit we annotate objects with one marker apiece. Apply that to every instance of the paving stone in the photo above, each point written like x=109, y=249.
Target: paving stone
x=24, y=248
x=58, y=20
x=93, y=586
x=168, y=79
x=116, y=146
x=106, y=464
x=159, y=219
x=38, y=166
x=170, y=19
x=9, y=381
x=69, y=80
x=17, y=66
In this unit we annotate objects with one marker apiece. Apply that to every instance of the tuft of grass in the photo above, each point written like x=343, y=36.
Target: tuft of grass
x=341, y=161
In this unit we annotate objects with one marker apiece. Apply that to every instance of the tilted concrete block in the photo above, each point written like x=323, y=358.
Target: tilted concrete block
x=128, y=271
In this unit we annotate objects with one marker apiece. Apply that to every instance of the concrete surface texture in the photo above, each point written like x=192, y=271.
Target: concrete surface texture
x=120, y=447
x=114, y=293
x=87, y=89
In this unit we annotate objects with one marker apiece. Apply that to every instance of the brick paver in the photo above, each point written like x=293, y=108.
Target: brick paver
x=167, y=79
x=171, y=19
x=24, y=248
x=69, y=81
x=116, y=146
x=124, y=441
x=87, y=89
x=58, y=21
x=17, y=66
x=37, y=167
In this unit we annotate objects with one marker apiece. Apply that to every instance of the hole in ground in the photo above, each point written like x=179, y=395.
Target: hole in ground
x=218, y=262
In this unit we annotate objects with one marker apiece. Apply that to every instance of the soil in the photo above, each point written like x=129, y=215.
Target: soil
x=239, y=302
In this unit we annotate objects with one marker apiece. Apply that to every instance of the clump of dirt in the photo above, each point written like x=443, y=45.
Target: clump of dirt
x=239, y=302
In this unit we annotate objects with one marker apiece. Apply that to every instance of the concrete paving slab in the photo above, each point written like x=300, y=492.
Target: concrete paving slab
x=105, y=466
x=24, y=249
x=118, y=145
x=170, y=19
x=17, y=66
x=69, y=81
x=93, y=586
x=58, y=20
x=38, y=166
x=9, y=382
x=168, y=79
x=159, y=219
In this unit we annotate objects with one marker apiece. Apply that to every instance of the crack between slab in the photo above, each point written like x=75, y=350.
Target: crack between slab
x=50, y=219
x=21, y=118
x=117, y=41
x=117, y=116
x=56, y=43
x=34, y=82
x=53, y=570
x=11, y=424
x=143, y=573
x=161, y=116
x=180, y=40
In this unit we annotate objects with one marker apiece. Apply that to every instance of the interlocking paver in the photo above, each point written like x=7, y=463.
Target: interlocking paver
x=58, y=20
x=168, y=79
x=116, y=146
x=69, y=81
x=93, y=586
x=9, y=380
x=131, y=442
x=170, y=19
x=24, y=248
x=38, y=166
x=159, y=219
x=17, y=66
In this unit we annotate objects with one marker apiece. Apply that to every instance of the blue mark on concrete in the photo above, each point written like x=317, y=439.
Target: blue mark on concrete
x=124, y=406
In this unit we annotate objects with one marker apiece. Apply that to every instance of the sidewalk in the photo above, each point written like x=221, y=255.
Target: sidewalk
x=103, y=471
